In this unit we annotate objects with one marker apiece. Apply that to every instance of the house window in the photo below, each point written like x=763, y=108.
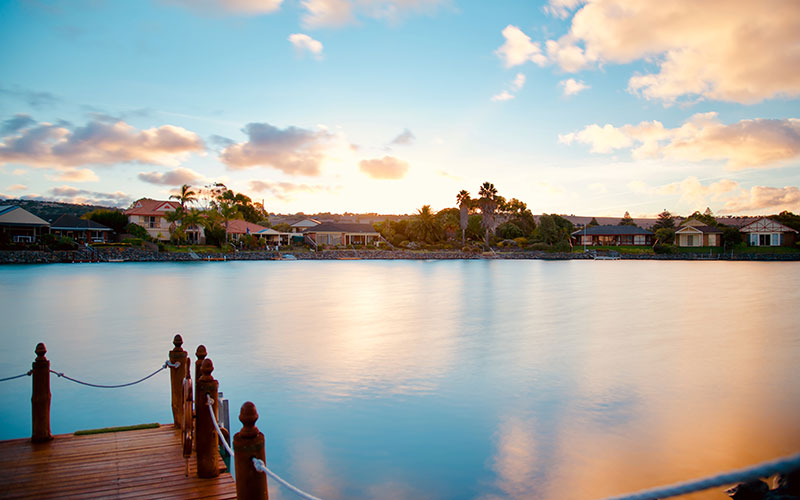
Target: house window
x=151, y=221
x=776, y=239
x=639, y=239
x=690, y=240
x=764, y=240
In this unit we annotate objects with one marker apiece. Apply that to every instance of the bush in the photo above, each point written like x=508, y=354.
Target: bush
x=64, y=243
x=509, y=231
x=521, y=242
x=136, y=242
x=665, y=249
x=542, y=247
x=562, y=246
x=137, y=231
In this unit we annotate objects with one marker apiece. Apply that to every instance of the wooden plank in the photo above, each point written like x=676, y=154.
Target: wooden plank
x=137, y=464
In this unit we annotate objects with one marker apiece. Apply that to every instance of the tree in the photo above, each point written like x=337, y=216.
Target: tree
x=424, y=226
x=228, y=212
x=706, y=217
x=626, y=220
x=731, y=236
x=488, y=204
x=593, y=222
x=464, y=204
x=665, y=220
x=114, y=219
x=192, y=220
x=186, y=196
x=554, y=229
x=787, y=219
x=509, y=231
x=174, y=218
x=665, y=235
x=449, y=221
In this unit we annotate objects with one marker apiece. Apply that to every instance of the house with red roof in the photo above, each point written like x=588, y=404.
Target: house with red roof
x=765, y=232
x=152, y=215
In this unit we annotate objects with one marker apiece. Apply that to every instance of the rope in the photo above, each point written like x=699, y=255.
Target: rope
x=261, y=466
x=257, y=463
x=99, y=386
x=766, y=469
x=210, y=403
x=16, y=376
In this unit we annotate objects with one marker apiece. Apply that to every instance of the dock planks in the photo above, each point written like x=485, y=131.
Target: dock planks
x=138, y=464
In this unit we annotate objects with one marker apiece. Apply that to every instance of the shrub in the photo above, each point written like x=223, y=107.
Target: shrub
x=562, y=246
x=665, y=249
x=133, y=241
x=542, y=247
x=64, y=243
x=137, y=231
x=521, y=242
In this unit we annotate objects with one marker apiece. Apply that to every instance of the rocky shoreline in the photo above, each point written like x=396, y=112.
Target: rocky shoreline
x=139, y=255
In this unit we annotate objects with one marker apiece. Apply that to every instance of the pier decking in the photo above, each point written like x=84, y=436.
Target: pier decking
x=137, y=464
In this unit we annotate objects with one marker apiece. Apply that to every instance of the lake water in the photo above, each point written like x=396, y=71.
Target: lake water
x=435, y=380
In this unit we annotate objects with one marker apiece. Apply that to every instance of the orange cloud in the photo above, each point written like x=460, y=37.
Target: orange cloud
x=387, y=167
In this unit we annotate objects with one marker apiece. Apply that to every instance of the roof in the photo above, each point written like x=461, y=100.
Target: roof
x=271, y=231
x=342, y=227
x=306, y=223
x=11, y=215
x=581, y=220
x=146, y=206
x=239, y=226
x=765, y=224
x=70, y=222
x=610, y=231
x=701, y=229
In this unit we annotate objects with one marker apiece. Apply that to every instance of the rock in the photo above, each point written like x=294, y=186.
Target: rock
x=754, y=490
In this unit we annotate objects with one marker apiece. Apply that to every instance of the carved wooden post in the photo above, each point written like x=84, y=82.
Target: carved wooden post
x=248, y=443
x=201, y=354
x=205, y=434
x=40, y=399
x=176, y=375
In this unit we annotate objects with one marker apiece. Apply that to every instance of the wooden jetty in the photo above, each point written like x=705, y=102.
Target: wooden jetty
x=181, y=460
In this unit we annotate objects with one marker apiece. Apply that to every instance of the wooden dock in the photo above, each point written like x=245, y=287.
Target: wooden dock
x=138, y=464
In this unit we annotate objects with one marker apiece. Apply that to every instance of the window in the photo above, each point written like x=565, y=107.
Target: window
x=690, y=238
x=764, y=240
x=151, y=221
x=639, y=239
x=776, y=239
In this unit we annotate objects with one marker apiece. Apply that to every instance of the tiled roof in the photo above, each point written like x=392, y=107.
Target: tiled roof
x=146, y=206
x=70, y=222
x=342, y=227
x=238, y=226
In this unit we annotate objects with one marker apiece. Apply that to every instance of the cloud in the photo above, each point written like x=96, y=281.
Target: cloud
x=406, y=138
x=304, y=42
x=519, y=82
x=177, y=177
x=71, y=194
x=762, y=199
x=19, y=121
x=34, y=99
x=337, y=13
x=17, y=187
x=97, y=143
x=387, y=167
x=758, y=142
x=518, y=48
x=286, y=191
x=729, y=50
x=502, y=96
x=572, y=86
x=235, y=6
x=293, y=150
x=75, y=175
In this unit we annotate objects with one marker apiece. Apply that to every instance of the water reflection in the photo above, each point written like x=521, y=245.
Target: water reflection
x=437, y=379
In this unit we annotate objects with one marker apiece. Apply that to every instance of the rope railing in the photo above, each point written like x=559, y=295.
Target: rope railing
x=765, y=469
x=101, y=386
x=26, y=374
x=257, y=463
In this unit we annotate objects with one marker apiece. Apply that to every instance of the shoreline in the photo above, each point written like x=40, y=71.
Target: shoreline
x=137, y=255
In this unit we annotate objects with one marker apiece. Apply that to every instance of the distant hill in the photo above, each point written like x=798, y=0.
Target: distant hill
x=51, y=210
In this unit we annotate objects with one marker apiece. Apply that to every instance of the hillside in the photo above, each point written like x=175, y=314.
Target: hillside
x=51, y=210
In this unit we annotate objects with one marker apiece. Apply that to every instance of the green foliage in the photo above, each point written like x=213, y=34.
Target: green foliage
x=425, y=227
x=509, y=231
x=627, y=220
x=133, y=241
x=665, y=235
x=593, y=222
x=215, y=234
x=395, y=232
x=787, y=219
x=665, y=220
x=554, y=229
x=282, y=227
x=64, y=243
x=706, y=218
x=562, y=246
x=474, y=227
x=731, y=236
x=250, y=242
x=137, y=231
x=114, y=219
x=665, y=249
x=521, y=242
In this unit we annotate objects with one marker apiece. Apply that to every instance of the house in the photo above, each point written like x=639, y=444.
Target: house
x=84, y=230
x=304, y=225
x=612, y=236
x=695, y=233
x=276, y=238
x=237, y=228
x=19, y=225
x=766, y=232
x=343, y=233
x=152, y=215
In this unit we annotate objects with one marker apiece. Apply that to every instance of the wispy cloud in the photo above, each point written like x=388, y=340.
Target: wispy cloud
x=405, y=138
x=514, y=87
x=337, y=13
x=177, y=177
x=234, y=6
x=17, y=187
x=75, y=175
x=304, y=43
x=384, y=168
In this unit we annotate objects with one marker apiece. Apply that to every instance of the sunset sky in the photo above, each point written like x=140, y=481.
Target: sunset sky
x=588, y=108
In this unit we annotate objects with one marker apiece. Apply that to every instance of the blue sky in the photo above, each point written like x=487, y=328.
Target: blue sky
x=574, y=107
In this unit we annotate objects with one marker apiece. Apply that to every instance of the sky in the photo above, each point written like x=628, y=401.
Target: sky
x=591, y=107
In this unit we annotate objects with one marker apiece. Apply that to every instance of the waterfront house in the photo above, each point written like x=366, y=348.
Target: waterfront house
x=238, y=228
x=276, y=238
x=765, y=232
x=152, y=215
x=83, y=230
x=612, y=236
x=695, y=233
x=19, y=225
x=343, y=233
x=304, y=225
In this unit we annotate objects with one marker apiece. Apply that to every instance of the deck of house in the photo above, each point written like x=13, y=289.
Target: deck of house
x=138, y=464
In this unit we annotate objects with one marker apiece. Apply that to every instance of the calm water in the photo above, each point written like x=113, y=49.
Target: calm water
x=440, y=380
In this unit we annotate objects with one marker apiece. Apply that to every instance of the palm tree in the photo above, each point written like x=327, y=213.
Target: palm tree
x=425, y=225
x=186, y=196
x=464, y=202
x=228, y=212
x=488, y=204
x=174, y=217
x=192, y=220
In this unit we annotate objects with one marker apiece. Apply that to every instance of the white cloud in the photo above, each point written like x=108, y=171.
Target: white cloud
x=572, y=86
x=518, y=48
x=337, y=13
x=71, y=194
x=731, y=50
x=97, y=143
x=75, y=175
x=519, y=82
x=387, y=167
x=748, y=143
x=503, y=96
x=235, y=6
x=17, y=187
x=293, y=150
x=304, y=42
x=177, y=177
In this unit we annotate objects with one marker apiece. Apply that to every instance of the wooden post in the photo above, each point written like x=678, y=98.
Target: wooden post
x=205, y=434
x=40, y=399
x=176, y=375
x=201, y=354
x=248, y=443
